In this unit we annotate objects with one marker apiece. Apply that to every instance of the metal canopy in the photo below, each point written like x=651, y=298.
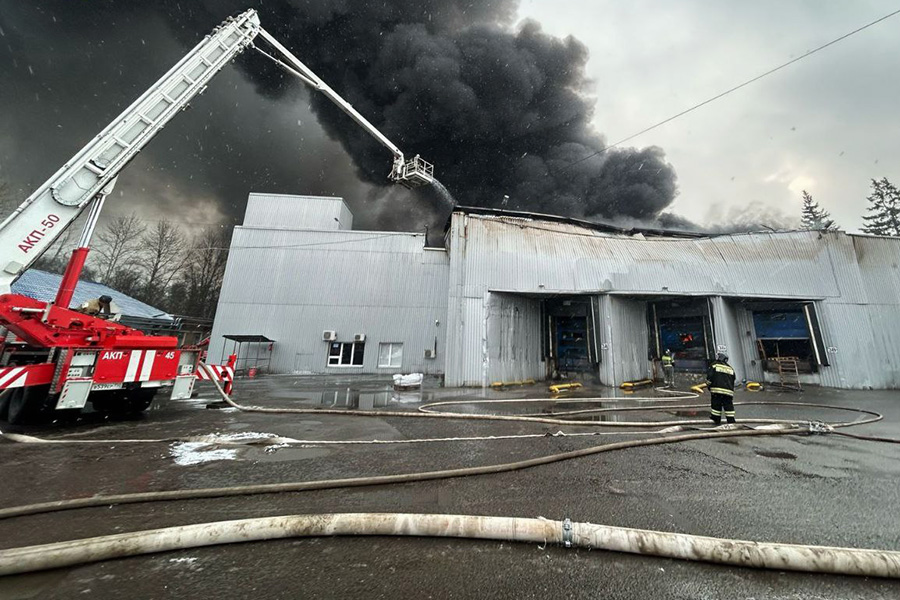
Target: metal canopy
x=242, y=339
x=261, y=359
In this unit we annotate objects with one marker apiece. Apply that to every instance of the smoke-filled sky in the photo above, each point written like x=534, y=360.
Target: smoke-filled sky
x=497, y=93
x=828, y=124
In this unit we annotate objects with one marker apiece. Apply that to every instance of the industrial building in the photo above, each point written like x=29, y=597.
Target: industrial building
x=515, y=296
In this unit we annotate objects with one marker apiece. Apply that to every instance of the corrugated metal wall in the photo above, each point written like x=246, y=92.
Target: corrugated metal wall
x=292, y=285
x=861, y=328
x=465, y=361
x=752, y=367
x=623, y=340
x=516, y=254
x=863, y=345
x=283, y=211
x=728, y=335
x=513, y=338
x=885, y=360
x=853, y=280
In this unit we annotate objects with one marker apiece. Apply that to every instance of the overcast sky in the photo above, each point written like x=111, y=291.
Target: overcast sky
x=828, y=124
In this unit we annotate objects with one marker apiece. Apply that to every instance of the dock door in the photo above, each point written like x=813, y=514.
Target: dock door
x=570, y=345
x=683, y=326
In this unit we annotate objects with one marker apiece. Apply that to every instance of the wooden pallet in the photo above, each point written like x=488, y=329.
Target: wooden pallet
x=788, y=372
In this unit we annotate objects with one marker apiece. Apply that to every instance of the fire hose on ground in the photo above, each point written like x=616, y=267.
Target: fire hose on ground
x=783, y=557
x=849, y=561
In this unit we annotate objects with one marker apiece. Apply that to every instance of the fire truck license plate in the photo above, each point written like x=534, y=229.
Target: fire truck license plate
x=106, y=386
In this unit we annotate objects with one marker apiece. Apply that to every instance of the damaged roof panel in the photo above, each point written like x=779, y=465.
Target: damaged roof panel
x=505, y=252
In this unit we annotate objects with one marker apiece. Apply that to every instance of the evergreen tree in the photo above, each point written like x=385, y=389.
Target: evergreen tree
x=813, y=216
x=884, y=209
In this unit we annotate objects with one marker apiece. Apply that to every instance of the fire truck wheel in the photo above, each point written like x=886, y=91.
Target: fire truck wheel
x=5, y=395
x=141, y=399
x=124, y=402
x=26, y=404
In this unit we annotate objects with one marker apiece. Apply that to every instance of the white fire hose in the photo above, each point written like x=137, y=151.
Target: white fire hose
x=817, y=559
x=783, y=557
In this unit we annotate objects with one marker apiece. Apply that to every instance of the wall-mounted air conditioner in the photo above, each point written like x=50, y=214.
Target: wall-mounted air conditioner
x=359, y=337
x=329, y=336
x=429, y=353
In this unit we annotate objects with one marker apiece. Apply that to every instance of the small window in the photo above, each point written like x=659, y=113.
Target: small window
x=346, y=354
x=390, y=355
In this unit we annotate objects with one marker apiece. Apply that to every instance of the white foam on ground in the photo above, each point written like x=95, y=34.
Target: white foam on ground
x=195, y=453
x=242, y=436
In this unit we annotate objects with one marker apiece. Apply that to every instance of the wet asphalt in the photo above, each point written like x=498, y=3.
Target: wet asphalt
x=824, y=490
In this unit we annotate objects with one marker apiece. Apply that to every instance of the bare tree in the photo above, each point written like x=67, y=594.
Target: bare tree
x=119, y=245
x=125, y=280
x=162, y=255
x=196, y=291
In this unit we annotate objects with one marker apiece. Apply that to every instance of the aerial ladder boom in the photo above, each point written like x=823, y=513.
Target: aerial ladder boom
x=51, y=356
x=409, y=173
x=90, y=174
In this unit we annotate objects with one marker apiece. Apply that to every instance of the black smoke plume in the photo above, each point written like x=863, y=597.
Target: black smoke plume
x=501, y=110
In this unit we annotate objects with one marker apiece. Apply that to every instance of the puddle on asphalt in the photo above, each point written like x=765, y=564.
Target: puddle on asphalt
x=285, y=454
x=689, y=413
x=348, y=398
x=259, y=448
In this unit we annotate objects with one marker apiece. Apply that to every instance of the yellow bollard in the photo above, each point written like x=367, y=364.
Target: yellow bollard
x=564, y=387
x=630, y=385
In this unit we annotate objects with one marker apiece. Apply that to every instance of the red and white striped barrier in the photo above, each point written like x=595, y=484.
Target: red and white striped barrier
x=224, y=373
x=13, y=377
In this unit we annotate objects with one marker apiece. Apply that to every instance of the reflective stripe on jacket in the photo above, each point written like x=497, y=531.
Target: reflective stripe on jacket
x=721, y=378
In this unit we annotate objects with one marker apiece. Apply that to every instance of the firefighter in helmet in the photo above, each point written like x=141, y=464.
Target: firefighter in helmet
x=668, y=365
x=720, y=382
x=102, y=307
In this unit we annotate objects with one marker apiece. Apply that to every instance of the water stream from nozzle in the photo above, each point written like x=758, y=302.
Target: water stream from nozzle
x=444, y=193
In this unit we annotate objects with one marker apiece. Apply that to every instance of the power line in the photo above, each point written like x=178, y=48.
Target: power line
x=734, y=89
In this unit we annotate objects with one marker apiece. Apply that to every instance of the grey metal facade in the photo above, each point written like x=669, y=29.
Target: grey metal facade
x=483, y=299
x=282, y=211
x=511, y=343
x=853, y=281
x=292, y=284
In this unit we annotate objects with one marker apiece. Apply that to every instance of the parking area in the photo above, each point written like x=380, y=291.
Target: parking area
x=824, y=490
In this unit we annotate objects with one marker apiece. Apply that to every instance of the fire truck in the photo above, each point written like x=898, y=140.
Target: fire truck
x=54, y=358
